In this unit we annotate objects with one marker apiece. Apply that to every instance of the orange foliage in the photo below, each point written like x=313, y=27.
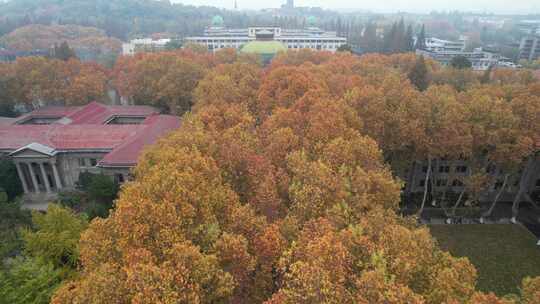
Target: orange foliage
x=277, y=187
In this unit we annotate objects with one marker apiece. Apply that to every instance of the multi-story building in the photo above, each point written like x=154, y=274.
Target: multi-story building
x=480, y=59
x=440, y=45
x=144, y=45
x=219, y=37
x=288, y=5
x=529, y=27
x=448, y=177
x=529, y=48
x=52, y=146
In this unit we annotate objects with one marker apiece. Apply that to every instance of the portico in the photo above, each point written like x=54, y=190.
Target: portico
x=37, y=168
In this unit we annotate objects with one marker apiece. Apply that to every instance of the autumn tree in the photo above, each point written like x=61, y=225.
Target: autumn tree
x=279, y=187
x=443, y=132
x=165, y=80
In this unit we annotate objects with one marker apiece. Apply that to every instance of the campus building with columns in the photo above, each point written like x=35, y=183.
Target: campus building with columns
x=52, y=146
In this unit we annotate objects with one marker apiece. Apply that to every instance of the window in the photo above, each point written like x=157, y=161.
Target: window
x=498, y=185
x=457, y=183
x=82, y=162
x=93, y=162
x=119, y=178
x=422, y=183
x=444, y=169
x=441, y=182
x=461, y=169
x=125, y=120
x=424, y=169
x=538, y=183
x=38, y=120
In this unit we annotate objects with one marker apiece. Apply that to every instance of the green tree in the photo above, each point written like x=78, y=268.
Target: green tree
x=174, y=44
x=421, y=39
x=419, y=74
x=102, y=189
x=9, y=179
x=409, y=42
x=486, y=77
x=55, y=236
x=28, y=281
x=63, y=52
x=13, y=218
x=460, y=62
x=369, y=41
x=345, y=48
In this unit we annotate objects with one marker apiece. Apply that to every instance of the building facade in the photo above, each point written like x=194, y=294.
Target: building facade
x=218, y=37
x=52, y=146
x=440, y=45
x=529, y=48
x=144, y=45
x=447, y=177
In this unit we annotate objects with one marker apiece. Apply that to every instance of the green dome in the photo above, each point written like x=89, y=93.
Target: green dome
x=217, y=21
x=311, y=21
x=266, y=50
x=264, y=47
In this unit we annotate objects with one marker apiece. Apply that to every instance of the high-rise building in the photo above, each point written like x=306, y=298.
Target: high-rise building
x=288, y=5
x=529, y=49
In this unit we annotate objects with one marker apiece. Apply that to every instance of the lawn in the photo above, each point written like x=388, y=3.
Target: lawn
x=503, y=254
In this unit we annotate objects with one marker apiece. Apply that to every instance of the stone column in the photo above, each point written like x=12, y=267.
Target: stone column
x=33, y=176
x=56, y=176
x=45, y=178
x=21, y=177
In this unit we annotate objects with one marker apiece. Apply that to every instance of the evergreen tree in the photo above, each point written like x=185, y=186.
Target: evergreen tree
x=63, y=52
x=421, y=39
x=345, y=48
x=409, y=42
x=399, y=38
x=369, y=42
x=9, y=179
x=389, y=37
x=486, y=78
x=419, y=74
x=460, y=62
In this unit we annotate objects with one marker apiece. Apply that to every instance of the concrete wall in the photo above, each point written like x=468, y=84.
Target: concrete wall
x=70, y=166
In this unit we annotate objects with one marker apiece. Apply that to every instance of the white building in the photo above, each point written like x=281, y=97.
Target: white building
x=144, y=45
x=444, y=51
x=218, y=37
x=529, y=48
x=440, y=45
x=481, y=60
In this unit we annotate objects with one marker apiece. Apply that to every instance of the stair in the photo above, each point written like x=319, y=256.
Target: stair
x=38, y=201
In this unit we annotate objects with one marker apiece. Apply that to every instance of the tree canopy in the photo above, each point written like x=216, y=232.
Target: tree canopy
x=282, y=185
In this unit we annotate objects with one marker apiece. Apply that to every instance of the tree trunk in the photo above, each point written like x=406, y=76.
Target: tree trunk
x=428, y=173
x=492, y=207
x=433, y=179
x=522, y=186
x=454, y=209
x=410, y=180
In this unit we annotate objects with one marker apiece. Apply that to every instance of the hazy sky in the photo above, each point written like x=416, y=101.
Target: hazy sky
x=492, y=6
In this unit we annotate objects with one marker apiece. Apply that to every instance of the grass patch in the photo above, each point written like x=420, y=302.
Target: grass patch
x=503, y=254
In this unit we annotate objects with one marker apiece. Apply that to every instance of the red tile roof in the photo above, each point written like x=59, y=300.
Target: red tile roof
x=128, y=153
x=83, y=128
